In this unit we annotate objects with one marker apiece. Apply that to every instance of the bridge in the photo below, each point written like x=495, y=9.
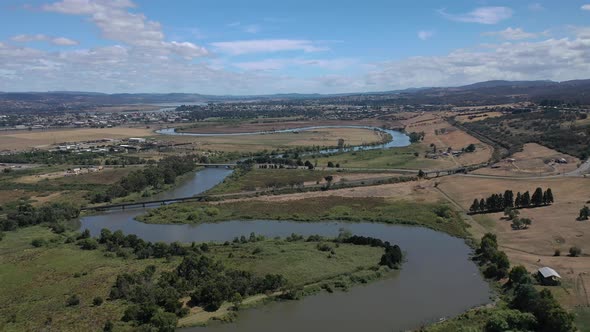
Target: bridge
x=144, y=204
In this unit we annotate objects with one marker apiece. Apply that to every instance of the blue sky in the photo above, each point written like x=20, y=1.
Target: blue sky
x=262, y=46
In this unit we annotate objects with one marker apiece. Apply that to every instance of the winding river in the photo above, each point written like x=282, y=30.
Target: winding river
x=438, y=280
x=398, y=138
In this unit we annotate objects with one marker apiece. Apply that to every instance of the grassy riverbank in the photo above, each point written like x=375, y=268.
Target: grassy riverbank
x=37, y=281
x=432, y=215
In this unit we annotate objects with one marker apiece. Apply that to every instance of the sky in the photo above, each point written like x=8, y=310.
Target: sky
x=250, y=47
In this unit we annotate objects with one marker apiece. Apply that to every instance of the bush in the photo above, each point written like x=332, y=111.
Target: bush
x=38, y=243
x=88, y=244
x=73, y=300
x=557, y=252
x=97, y=301
x=575, y=251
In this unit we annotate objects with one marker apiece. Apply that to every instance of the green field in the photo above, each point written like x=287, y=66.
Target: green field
x=37, y=281
x=382, y=159
x=354, y=209
x=258, y=179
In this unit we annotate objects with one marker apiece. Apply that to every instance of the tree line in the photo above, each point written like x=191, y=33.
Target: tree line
x=154, y=176
x=499, y=202
x=24, y=214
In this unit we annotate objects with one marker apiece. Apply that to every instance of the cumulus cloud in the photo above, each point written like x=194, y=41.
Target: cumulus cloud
x=425, y=34
x=240, y=47
x=482, y=15
x=511, y=34
x=586, y=7
x=60, y=41
x=117, y=23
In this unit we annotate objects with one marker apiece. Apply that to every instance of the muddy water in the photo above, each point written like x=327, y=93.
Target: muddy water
x=438, y=280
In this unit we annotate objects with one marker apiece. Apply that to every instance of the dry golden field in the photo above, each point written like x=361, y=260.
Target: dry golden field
x=44, y=139
x=533, y=160
x=249, y=143
x=554, y=227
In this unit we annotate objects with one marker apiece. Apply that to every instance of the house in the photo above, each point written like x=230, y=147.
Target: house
x=548, y=276
x=136, y=140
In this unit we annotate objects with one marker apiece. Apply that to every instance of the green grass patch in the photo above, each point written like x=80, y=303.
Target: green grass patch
x=437, y=216
x=301, y=263
x=258, y=179
x=403, y=157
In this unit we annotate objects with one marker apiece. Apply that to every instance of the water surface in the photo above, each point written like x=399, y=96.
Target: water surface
x=438, y=280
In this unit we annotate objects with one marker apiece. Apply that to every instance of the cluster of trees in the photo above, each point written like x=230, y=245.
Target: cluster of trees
x=496, y=260
x=155, y=300
x=286, y=160
x=500, y=202
x=129, y=245
x=24, y=214
x=551, y=128
x=332, y=165
x=416, y=137
x=53, y=157
x=392, y=257
x=155, y=176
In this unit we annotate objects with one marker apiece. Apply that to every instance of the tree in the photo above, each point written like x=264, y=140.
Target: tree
x=548, y=196
x=519, y=275
x=584, y=213
x=236, y=300
x=575, y=251
x=518, y=200
x=475, y=206
x=108, y=326
x=537, y=199
x=164, y=321
x=421, y=174
x=525, y=199
x=508, y=198
x=470, y=148
x=482, y=205
x=330, y=164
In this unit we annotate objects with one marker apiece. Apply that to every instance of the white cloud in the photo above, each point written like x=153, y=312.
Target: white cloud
x=61, y=41
x=586, y=7
x=278, y=64
x=117, y=23
x=511, y=34
x=425, y=34
x=483, y=15
x=536, y=7
x=266, y=46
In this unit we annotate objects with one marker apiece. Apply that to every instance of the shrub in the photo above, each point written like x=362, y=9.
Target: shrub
x=38, y=243
x=97, y=301
x=557, y=252
x=73, y=300
x=575, y=251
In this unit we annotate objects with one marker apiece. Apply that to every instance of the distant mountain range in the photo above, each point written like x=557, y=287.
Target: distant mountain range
x=482, y=93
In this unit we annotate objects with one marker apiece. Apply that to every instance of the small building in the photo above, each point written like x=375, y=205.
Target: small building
x=136, y=140
x=547, y=276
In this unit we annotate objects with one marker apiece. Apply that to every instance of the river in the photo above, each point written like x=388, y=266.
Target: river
x=398, y=138
x=438, y=280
